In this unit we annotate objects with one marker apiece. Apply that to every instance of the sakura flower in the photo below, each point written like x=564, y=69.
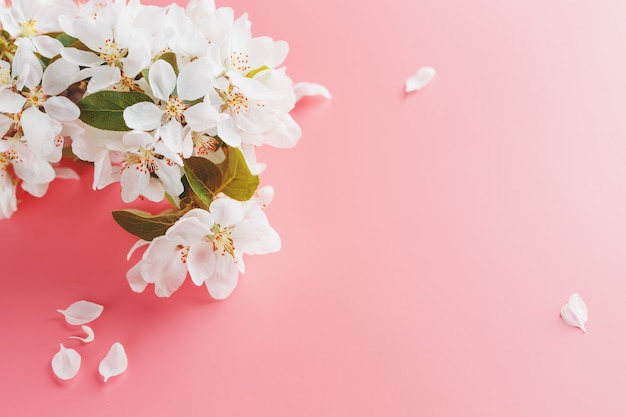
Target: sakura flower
x=119, y=49
x=254, y=95
x=98, y=146
x=31, y=168
x=150, y=168
x=185, y=38
x=209, y=245
x=193, y=82
x=258, y=109
x=30, y=22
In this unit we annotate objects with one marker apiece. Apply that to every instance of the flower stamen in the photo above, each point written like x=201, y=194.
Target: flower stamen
x=221, y=240
x=203, y=144
x=35, y=97
x=111, y=52
x=29, y=28
x=175, y=108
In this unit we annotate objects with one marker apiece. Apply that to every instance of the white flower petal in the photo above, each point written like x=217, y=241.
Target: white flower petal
x=201, y=262
x=82, y=312
x=47, y=46
x=420, y=79
x=256, y=237
x=5, y=124
x=310, y=89
x=202, y=116
x=101, y=78
x=224, y=279
x=66, y=363
x=136, y=246
x=574, y=312
x=89, y=332
x=58, y=76
x=65, y=173
x=194, y=80
x=135, y=280
x=11, y=102
x=162, y=79
x=114, y=363
x=61, y=108
x=82, y=58
x=143, y=116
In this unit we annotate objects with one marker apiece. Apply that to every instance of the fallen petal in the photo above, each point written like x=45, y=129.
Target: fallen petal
x=310, y=89
x=421, y=78
x=574, y=312
x=89, y=332
x=114, y=363
x=66, y=173
x=82, y=312
x=66, y=363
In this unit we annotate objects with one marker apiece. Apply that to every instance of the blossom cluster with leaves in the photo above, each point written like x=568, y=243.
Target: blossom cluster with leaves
x=170, y=102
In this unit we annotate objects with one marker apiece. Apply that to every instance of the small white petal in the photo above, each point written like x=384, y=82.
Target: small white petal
x=143, y=116
x=65, y=173
x=66, y=363
x=136, y=246
x=421, y=78
x=82, y=312
x=574, y=312
x=114, y=363
x=162, y=79
x=88, y=331
x=310, y=89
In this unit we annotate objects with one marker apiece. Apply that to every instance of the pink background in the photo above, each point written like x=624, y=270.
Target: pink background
x=429, y=240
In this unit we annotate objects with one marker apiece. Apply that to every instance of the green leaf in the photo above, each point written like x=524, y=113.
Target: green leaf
x=65, y=39
x=204, y=178
x=105, y=109
x=144, y=225
x=239, y=183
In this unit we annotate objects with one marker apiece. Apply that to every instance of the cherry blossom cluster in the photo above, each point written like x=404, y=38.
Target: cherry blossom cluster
x=169, y=102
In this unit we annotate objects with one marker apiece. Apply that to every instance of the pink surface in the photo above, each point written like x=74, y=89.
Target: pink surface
x=429, y=240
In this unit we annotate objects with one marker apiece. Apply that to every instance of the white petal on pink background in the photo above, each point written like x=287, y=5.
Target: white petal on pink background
x=82, y=312
x=310, y=89
x=114, y=363
x=66, y=363
x=420, y=79
x=65, y=173
x=575, y=312
x=90, y=335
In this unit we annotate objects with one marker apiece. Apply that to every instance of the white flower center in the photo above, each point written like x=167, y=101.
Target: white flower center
x=29, y=28
x=221, y=240
x=203, y=144
x=143, y=161
x=239, y=61
x=35, y=97
x=7, y=157
x=184, y=252
x=126, y=84
x=233, y=100
x=5, y=76
x=16, y=120
x=111, y=52
x=175, y=108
